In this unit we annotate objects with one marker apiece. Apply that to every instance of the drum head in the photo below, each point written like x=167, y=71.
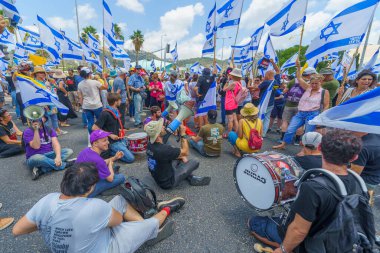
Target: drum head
x=137, y=136
x=254, y=183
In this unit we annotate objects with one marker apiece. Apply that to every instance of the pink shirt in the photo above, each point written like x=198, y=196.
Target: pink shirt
x=230, y=103
x=310, y=102
x=157, y=85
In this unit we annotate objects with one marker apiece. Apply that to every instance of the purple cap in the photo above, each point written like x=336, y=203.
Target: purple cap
x=98, y=134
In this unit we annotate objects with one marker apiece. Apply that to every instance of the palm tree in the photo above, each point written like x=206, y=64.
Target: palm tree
x=137, y=39
x=118, y=33
x=89, y=29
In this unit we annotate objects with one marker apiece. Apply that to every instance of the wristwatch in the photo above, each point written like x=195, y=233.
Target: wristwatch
x=283, y=250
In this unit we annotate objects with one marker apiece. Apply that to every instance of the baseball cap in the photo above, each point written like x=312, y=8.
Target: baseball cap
x=312, y=140
x=327, y=71
x=309, y=71
x=173, y=73
x=98, y=134
x=138, y=67
x=122, y=71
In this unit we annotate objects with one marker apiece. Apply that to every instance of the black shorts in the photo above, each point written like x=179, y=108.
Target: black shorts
x=230, y=112
x=277, y=111
x=238, y=110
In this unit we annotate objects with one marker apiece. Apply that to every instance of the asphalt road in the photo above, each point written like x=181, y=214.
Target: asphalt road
x=213, y=219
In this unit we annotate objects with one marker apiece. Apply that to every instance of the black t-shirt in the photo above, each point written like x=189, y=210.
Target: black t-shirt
x=204, y=83
x=7, y=130
x=11, y=83
x=369, y=157
x=308, y=162
x=316, y=204
x=223, y=82
x=70, y=84
x=160, y=158
x=108, y=123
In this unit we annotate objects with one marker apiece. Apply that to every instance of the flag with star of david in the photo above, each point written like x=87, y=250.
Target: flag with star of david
x=372, y=61
x=32, y=42
x=211, y=23
x=119, y=53
x=90, y=55
x=290, y=17
x=20, y=53
x=208, y=47
x=344, y=31
x=7, y=38
x=93, y=43
x=291, y=62
x=71, y=50
x=174, y=53
x=242, y=54
x=228, y=15
x=108, y=29
x=10, y=11
x=51, y=38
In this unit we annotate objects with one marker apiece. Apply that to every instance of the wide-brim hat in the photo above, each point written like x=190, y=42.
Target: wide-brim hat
x=236, y=72
x=38, y=69
x=249, y=110
x=153, y=129
x=59, y=74
x=327, y=71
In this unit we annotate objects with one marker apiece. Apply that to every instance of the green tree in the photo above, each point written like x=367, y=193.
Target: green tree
x=91, y=30
x=118, y=33
x=137, y=39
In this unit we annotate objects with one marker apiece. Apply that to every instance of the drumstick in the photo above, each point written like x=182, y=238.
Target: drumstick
x=259, y=248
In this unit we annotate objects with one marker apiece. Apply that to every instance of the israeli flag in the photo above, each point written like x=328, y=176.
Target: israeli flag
x=265, y=101
x=89, y=54
x=32, y=42
x=255, y=39
x=352, y=73
x=290, y=17
x=334, y=65
x=339, y=73
x=174, y=53
x=208, y=47
x=211, y=23
x=93, y=43
x=71, y=50
x=241, y=53
x=108, y=29
x=209, y=103
x=108, y=64
x=50, y=64
x=20, y=53
x=291, y=62
x=7, y=38
x=269, y=51
x=376, y=69
x=330, y=57
x=194, y=68
x=345, y=31
x=119, y=53
x=219, y=68
x=372, y=61
x=10, y=11
x=360, y=113
x=3, y=64
x=34, y=93
x=228, y=16
x=127, y=64
x=51, y=38
x=153, y=65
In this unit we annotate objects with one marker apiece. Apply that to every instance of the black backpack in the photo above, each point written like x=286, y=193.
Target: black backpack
x=352, y=226
x=140, y=196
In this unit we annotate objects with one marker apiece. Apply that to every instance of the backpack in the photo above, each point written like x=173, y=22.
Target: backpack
x=241, y=95
x=351, y=228
x=140, y=196
x=295, y=93
x=255, y=141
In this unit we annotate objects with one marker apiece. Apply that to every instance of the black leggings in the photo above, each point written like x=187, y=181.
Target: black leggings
x=183, y=170
x=19, y=102
x=8, y=150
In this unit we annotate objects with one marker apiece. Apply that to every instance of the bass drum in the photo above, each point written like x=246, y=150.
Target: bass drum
x=266, y=180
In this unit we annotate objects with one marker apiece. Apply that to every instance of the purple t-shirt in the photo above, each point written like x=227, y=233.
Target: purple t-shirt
x=87, y=155
x=46, y=146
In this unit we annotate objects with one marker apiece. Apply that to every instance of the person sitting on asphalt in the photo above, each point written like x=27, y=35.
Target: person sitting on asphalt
x=110, y=121
x=155, y=114
x=161, y=157
x=315, y=205
x=43, y=151
x=9, y=143
x=249, y=121
x=69, y=221
x=208, y=142
x=310, y=156
x=108, y=178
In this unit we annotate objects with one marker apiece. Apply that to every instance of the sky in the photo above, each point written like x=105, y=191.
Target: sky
x=182, y=21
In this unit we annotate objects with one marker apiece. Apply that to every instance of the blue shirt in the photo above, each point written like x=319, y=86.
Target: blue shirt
x=136, y=81
x=264, y=86
x=77, y=80
x=118, y=84
x=280, y=101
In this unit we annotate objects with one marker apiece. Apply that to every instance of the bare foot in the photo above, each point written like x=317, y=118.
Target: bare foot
x=281, y=146
x=236, y=153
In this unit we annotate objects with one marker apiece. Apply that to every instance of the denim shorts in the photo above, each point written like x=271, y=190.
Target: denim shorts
x=265, y=227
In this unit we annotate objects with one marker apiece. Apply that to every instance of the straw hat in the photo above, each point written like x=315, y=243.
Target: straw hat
x=38, y=69
x=153, y=129
x=236, y=72
x=249, y=110
x=59, y=74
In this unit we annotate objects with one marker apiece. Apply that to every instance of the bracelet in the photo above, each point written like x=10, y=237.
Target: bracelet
x=283, y=250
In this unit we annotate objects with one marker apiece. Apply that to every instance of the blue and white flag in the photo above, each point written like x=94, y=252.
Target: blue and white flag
x=269, y=51
x=330, y=57
x=376, y=69
x=3, y=64
x=108, y=64
x=119, y=53
x=218, y=68
x=255, y=39
x=352, y=73
x=89, y=54
x=290, y=17
x=153, y=65
x=93, y=43
x=174, y=53
x=228, y=15
x=109, y=28
x=20, y=54
x=242, y=53
x=71, y=50
x=34, y=93
x=194, y=68
x=32, y=42
x=208, y=47
x=372, y=61
x=7, y=38
x=10, y=11
x=209, y=103
x=291, y=62
x=211, y=23
x=51, y=38
x=360, y=113
x=339, y=72
x=334, y=65
x=127, y=63
x=265, y=101
x=345, y=31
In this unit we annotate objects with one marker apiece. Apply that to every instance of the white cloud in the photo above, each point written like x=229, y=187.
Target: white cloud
x=86, y=12
x=132, y=5
x=191, y=48
x=315, y=21
x=339, y=5
x=123, y=26
x=33, y=28
x=375, y=32
x=61, y=23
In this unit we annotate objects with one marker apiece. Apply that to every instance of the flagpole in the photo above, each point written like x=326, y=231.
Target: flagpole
x=348, y=70
x=237, y=33
x=104, y=51
x=302, y=31
x=214, y=63
x=366, y=42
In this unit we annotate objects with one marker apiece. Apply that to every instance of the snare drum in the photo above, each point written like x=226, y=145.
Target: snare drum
x=137, y=142
x=266, y=180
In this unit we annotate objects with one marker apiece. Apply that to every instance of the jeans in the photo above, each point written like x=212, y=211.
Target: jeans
x=198, y=146
x=21, y=107
x=90, y=114
x=14, y=103
x=46, y=163
x=137, y=102
x=131, y=109
x=223, y=109
x=183, y=170
x=265, y=227
x=54, y=121
x=267, y=120
x=300, y=119
x=103, y=185
x=84, y=119
x=122, y=146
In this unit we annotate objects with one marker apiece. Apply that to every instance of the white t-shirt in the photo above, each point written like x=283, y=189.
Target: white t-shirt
x=91, y=95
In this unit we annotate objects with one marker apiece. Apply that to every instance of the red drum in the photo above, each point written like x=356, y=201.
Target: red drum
x=137, y=142
x=266, y=180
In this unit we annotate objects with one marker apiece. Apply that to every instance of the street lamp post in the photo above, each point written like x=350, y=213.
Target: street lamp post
x=162, y=35
x=223, y=48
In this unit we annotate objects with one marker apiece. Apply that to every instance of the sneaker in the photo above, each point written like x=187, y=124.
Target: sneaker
x=1, y=205
x=296, y=143
x=174, y=204
x=164, y=232
x=199, y=181
x=69, y=164
x=63, y=132
x=132, y=120
x=5, y=222
x=36, y=173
